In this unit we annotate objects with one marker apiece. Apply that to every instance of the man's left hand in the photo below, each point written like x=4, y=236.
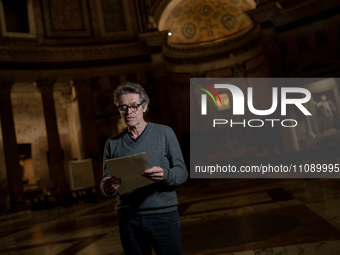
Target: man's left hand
x=154, y=174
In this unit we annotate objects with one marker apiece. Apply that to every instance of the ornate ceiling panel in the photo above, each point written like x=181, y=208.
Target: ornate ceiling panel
x=197, y=21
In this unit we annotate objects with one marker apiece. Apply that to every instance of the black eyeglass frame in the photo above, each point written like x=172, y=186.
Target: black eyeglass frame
x=129, y=106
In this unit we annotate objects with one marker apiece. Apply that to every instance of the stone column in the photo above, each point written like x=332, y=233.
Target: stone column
x=88, y=125
x=55, y=153
x=11, y=152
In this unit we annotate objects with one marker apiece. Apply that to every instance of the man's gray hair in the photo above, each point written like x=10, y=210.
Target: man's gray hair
x=130, y=88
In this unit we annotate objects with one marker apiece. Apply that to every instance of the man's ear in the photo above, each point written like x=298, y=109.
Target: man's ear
x=145, y=107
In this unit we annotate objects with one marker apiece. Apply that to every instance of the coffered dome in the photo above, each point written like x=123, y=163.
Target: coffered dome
x=197, y=21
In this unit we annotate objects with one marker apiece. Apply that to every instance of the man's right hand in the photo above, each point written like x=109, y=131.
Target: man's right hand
x=111, y=184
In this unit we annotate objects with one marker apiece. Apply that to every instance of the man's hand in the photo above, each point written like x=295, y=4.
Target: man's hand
x=111, y=184
x=154, y=174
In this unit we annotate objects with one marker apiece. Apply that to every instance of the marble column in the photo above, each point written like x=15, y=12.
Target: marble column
x=55, y=152
x=11, y=152
x=89, y=132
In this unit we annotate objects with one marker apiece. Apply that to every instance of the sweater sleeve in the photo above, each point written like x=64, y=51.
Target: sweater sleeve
x=106, y=172
x=177, y=174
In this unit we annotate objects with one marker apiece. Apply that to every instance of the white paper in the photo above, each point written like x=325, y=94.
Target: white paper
x=129, y=169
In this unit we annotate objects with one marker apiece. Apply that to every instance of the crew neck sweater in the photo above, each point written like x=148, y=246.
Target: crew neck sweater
x=162, y=149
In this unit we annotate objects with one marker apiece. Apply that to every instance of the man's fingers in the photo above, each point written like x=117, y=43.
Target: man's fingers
x=116, y=186
x=149, y=176
x=154, y=175
x=151, y=171
x=155, y=169
x=111, y=180
x=113, y=184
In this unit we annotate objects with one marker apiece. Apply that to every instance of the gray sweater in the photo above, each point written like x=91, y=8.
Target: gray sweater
x=162, y=149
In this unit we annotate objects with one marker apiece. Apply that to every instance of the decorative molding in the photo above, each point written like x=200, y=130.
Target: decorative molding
x=76, y=53
x=154, y=38
x=50, y=32
x=247, y=52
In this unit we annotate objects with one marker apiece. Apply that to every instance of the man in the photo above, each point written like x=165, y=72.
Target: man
x=147, y=216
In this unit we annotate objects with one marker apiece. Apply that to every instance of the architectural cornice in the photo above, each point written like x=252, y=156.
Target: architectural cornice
x=73, y=53
x=203, y=66
x=154, y=38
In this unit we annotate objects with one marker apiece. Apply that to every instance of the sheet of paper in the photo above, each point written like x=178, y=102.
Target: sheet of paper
x=129, y=169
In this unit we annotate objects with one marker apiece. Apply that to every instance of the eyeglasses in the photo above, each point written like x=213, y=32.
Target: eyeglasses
x=125, y=108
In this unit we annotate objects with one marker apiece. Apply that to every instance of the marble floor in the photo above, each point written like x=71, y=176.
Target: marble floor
x=218, y=216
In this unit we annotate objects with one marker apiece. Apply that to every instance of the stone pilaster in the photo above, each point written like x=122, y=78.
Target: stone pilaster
x=55, y=152
x=11, y=152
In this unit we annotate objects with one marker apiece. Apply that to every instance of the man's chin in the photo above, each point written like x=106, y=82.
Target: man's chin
x=130, y=123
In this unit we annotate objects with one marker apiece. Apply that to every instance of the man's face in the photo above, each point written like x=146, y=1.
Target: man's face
x=132, y=118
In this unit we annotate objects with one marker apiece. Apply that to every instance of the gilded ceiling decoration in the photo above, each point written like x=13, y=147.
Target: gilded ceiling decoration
x=197, y=21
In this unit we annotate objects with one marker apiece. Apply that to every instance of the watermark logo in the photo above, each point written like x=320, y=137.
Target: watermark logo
x=204, y=97
x=302, y=96
x=238, y=100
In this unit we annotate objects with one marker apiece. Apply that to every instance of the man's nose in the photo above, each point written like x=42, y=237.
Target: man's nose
x=129, y=110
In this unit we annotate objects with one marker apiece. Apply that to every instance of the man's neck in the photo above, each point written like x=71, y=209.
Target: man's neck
x=137, y=130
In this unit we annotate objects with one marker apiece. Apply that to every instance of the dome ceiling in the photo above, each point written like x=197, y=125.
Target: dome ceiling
x=197, y=21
